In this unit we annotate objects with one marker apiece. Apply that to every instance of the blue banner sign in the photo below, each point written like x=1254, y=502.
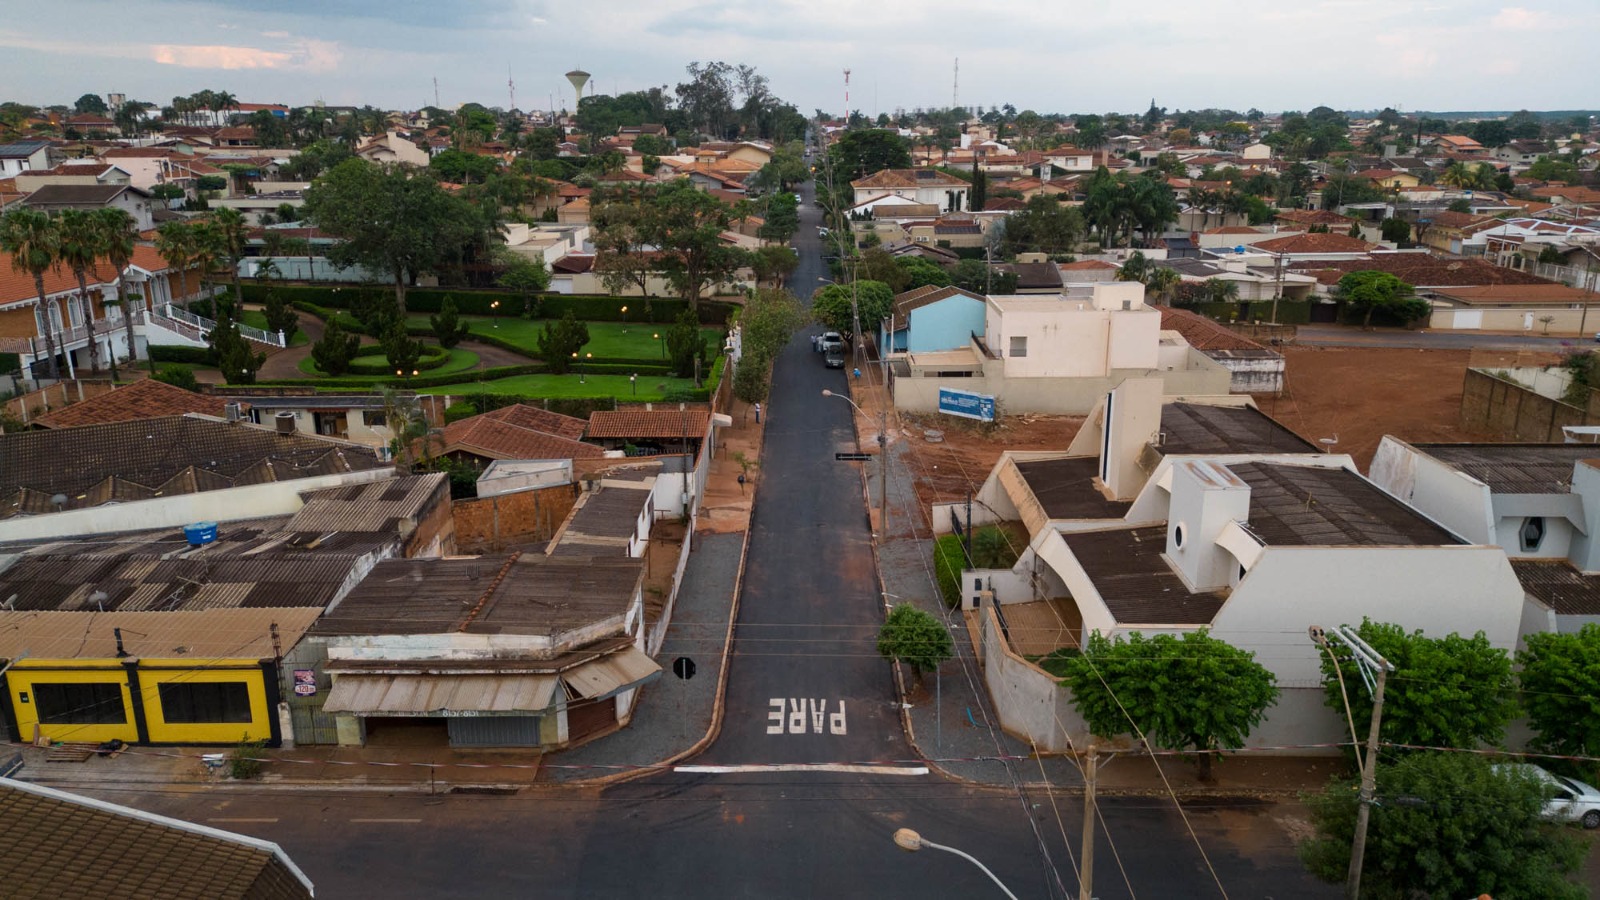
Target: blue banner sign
x=966, y=404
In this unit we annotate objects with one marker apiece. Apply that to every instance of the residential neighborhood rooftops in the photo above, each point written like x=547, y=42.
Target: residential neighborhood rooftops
x=1420, y=270
x=1542, y=294
x=74, y=468
x=1130, y=572
x=80, y=194
x=238, y=633
x=57, y=844
x=1293, y=505
x=519, y=432
x=1515, y=468
x=928, y=294
x=604, y=522
x=909, y=178
x=1065, y=488
x=511, y=594
x=1208, y=335
x=1315, y=243
x=1198, y=429
x=144, y=399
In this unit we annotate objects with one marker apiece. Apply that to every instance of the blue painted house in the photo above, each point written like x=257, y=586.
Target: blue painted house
x=928, y=319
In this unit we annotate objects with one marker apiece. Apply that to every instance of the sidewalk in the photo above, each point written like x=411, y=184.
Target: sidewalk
x=953, y=723
x=673, y=717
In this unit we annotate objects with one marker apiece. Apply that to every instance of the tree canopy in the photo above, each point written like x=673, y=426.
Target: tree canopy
x=1446, y=825
x=393, y=221
x=1183, y=693
x=831, y=305
x=673, y=229
x=1452, y=691
x=860, y=153
x=1043, y=226
x=1560, y=681
x=914, y=638
x=1370, y=291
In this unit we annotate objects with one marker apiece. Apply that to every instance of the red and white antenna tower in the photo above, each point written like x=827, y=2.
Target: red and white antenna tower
x=847, y=97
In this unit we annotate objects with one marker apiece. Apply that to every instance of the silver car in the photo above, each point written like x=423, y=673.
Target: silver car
x=1570, y=799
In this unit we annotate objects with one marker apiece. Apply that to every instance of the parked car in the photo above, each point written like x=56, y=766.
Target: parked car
x=1570, y=800
x=831, y=341
x=822, y=231
x=834, y=358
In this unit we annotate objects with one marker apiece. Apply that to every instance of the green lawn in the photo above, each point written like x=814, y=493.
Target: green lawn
x=255, y=318
x=460, y=361
x=609, y=340
x=651, y=387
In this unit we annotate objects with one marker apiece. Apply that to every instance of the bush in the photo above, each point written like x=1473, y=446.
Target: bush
x=375, y=363
x=10, y=362
x=178, y=376
x=949, y=558
x=245, y=761
x=455, y=412
x=193, y=356
x=423, y=381
x=591, y=307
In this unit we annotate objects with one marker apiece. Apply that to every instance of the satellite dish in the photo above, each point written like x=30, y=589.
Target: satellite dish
x=1328, y=443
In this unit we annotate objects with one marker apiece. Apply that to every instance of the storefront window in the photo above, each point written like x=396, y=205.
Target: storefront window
x=195, y=702
x=80, y=703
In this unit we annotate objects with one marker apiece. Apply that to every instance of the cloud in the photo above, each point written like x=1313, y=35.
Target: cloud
x=1517, y=18
x=304, y=53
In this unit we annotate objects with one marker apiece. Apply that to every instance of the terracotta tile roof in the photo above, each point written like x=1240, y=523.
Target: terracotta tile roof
x=1379, y=174
x=1203, y=333
x=524, y=416
x=516, y=435
x=1313, y=217
x=916, y=298
x=1546, y=294
x=80, y=194
x=909, y=178
x=57, y=844
x=1003, y=204
x=17, y=285
x=1421, y=270
x=1315, y=243
x=1086, y=265
x=146, y=399
x=648, y=423
x=1461, y=221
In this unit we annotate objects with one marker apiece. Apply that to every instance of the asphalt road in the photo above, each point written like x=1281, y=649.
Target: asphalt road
x=1398, y=338
x=806, y=687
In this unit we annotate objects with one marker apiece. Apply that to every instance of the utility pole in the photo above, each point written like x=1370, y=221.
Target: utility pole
x=883, y=467
x=1086, y=870
x=1588, y=291
x=1374, y=671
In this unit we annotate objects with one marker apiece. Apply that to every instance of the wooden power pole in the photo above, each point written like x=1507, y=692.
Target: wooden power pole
x=1086, y=876
x=1374, y=671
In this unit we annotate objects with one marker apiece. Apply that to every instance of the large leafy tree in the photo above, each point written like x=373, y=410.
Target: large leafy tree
x=1369, y=291
x=922, y=273
x=672, y=229
x=832, y=305
x=33, y=241
x=860, y=153
x=1043, y=226
x=1560, y=680
x=914, y=638
x=90, y=103
x=770, y=318
x=462, y=167
x=389, y=220
x=81, y=245
x=1452, y=691
x=780, y=218
x=1193, y=692
x=687, y=352
x=525, y=277
x=1446, y=825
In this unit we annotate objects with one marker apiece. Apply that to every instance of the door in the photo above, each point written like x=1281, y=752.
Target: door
x=590, y=717
x=1468, y=319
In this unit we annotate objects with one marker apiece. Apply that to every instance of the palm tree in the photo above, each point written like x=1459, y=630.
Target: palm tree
x=233, y=234
x=1457, y=174
x=118, y=232
x=1221, y=291
x=1136, y=268
x=209, y=248
x=80, y=247
x=176, y=242
x=34, y=241
x=1162, y=282
x=222, y=100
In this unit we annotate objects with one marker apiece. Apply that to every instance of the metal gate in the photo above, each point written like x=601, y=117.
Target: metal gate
x=494, y=731
x=312, y=725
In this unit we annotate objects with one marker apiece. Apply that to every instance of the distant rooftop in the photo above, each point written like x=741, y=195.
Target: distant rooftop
x=1560, y=586
x=604, y=521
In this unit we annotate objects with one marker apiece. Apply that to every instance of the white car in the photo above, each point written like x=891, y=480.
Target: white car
x=1571, y=800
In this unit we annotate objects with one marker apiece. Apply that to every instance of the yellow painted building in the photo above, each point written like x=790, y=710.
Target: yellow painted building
x=192, y=677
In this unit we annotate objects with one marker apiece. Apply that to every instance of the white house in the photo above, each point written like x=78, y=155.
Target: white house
x=929, y=186
x=22, y=156
x=1228, y=527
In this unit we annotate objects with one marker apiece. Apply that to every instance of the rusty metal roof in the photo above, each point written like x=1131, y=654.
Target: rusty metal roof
x=424, y=695
x=1196, y=428
x=1515, y=468
x=197, y=635
x=1135, y=581
x=1560, y=586
x=1065, y=488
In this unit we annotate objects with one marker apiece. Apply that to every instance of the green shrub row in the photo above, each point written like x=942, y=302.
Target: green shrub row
x=432, y=358
x=949, y=558
x=195, y=356
x=1290, y=312
x=346, y=321
x=421, y=381
x=475, y=302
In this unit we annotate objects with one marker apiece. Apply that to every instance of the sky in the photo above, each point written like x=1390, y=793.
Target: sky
x=1047, y=56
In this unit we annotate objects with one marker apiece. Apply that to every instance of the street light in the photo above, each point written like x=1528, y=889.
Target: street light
x=578, y=367
x=657, y=336
x=883, y=459
x=624, y=320
x=633, y=382
x=494, y=311
x=906, y=839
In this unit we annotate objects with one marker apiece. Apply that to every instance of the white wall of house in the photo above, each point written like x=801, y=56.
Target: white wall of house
x=1049, y=337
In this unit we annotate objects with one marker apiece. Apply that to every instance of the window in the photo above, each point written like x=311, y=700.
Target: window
x=87, y=703
x=374, y=418
x=193, y=702
x=1177, y=535
x=1019, y=346
x=1532, y=534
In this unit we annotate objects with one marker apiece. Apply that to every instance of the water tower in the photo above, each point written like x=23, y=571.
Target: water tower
x=579, y=78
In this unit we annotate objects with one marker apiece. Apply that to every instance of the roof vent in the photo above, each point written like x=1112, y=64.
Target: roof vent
x=233, y=412
x=285, y=422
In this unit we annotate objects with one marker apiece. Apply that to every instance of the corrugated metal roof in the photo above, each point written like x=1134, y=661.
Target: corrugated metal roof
x=198, y=635
x=374, y=506
x=1560, y=586
x=1314, y=506
x=440, y=694
x=1515, y=468
x=610, y=674
x=1196, y=428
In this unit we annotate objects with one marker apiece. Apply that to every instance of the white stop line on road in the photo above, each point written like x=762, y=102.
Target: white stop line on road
x=802, y=715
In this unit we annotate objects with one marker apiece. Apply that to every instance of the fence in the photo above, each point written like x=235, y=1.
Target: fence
x=26, y=407
x=1508, y=411
x=1571, y=276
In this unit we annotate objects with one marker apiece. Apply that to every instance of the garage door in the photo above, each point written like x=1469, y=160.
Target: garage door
x=1468, y=319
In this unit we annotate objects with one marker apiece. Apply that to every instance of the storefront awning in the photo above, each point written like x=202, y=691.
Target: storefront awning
x=612, y=674
x=440, y=695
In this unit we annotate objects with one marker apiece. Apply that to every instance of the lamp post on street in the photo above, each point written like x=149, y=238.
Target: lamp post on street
x=906, y=839
x=883, y=459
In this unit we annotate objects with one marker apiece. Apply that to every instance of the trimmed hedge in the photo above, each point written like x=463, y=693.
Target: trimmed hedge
x=346, y=321
x=421, y=381
x=455, y=412
x=194, y=356
x=1290, y=312
x=949, y=558
x=577, y=407
x=432, y=358
x=475, y=302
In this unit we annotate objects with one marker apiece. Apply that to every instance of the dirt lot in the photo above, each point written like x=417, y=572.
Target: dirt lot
x=1361, y=394
x=1358, y=394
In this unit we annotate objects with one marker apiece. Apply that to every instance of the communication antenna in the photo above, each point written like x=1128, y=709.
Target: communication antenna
x=955, y=92
x=512, y=86
x=847, y=98
x=436, y=91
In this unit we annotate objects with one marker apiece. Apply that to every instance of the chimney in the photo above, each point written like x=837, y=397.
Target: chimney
x=1132, y=420
x=1205, y=498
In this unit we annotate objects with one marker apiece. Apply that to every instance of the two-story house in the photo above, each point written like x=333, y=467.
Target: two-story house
x=925, y=186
